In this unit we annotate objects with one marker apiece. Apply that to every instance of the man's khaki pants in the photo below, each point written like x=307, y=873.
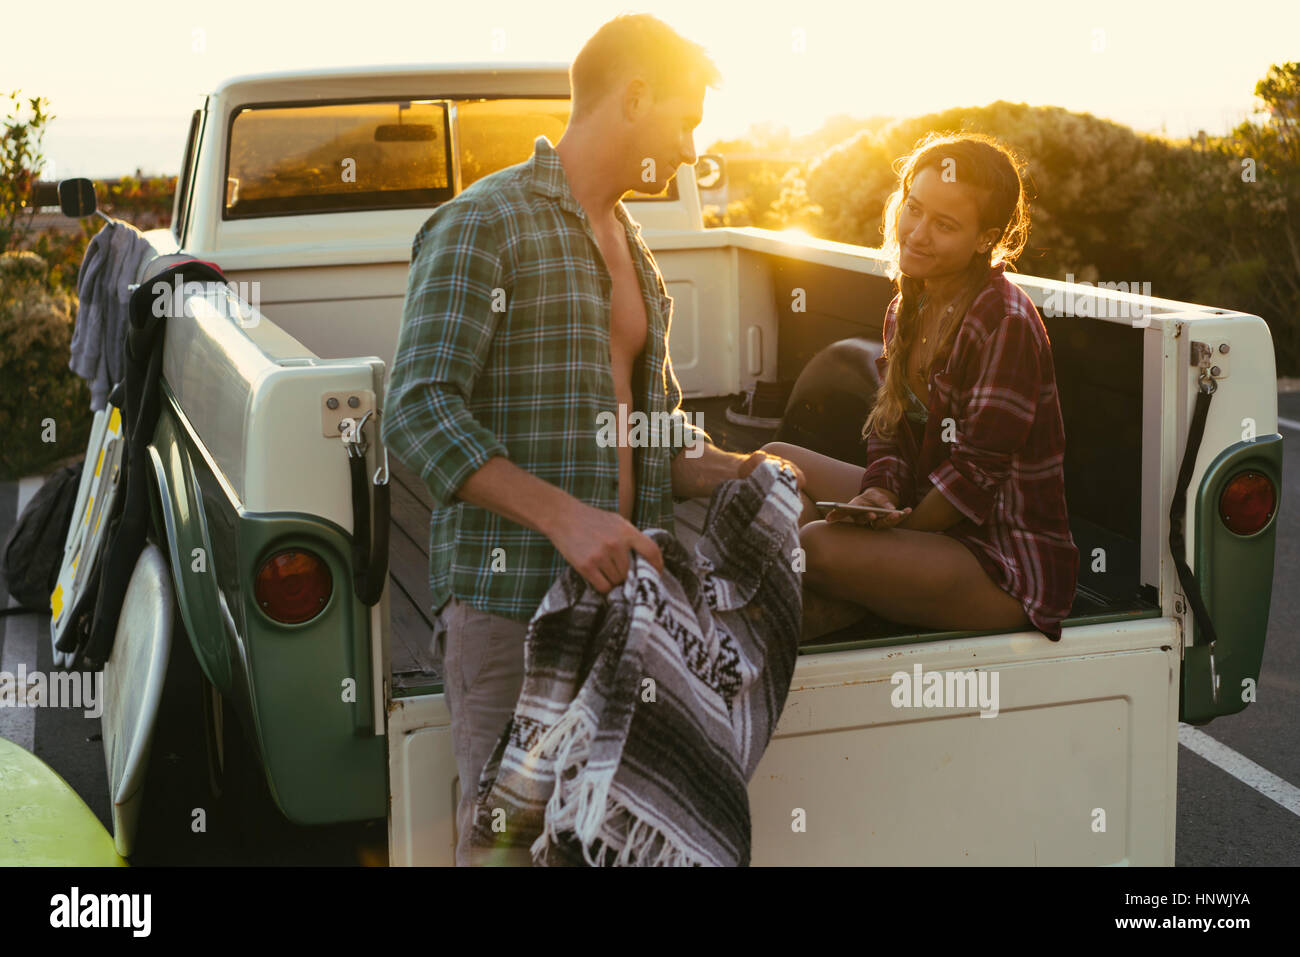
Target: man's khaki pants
x=482, y=661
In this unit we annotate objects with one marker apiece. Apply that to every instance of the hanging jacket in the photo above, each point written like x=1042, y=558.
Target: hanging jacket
x=109, y=265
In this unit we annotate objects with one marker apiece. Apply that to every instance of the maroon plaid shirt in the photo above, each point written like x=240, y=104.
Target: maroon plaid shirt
x=1003, y=467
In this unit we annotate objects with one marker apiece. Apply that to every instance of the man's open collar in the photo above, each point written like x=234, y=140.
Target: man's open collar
x=547, y=178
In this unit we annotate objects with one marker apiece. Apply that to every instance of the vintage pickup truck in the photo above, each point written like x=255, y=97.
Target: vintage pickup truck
x=309, y=188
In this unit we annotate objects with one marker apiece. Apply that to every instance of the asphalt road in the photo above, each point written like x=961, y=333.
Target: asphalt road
x=1222, y=818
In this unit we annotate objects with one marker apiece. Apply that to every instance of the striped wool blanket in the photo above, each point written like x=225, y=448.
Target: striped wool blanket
x=644, y=712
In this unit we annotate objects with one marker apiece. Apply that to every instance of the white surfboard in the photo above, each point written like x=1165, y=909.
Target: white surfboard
x=96, y=493
x=133, y=684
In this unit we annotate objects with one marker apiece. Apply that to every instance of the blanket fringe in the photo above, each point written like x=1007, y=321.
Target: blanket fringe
x=642, y=839
x=581, y=805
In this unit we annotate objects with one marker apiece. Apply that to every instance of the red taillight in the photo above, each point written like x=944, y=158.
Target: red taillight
x=1247, y=503
x=293, y=586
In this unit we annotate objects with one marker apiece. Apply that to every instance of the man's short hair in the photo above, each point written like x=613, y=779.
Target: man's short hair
x=639, y=43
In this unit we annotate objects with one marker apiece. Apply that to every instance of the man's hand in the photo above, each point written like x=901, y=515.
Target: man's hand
x=598, y=544
x=699, y=476
x=747, y=465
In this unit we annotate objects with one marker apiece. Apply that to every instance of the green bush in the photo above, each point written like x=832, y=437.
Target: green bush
x=45, y=412
x=1086, y=178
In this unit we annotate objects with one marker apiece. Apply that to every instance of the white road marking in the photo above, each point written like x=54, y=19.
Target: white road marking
x=1240, y=767
x=21, y=632
x=27, y=489
x=1289, y=423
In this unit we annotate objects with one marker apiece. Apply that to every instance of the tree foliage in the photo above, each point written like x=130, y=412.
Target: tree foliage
x=21, y=160
x=1235, y=239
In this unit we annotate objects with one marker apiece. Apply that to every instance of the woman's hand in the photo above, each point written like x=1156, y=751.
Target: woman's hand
x=879, y=497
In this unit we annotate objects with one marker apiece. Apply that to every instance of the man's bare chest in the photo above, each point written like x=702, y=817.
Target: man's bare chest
x=628, y=324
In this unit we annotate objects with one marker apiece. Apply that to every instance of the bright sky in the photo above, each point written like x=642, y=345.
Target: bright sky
x=122, y=95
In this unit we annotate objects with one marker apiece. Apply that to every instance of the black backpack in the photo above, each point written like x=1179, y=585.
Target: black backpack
x=33, y=552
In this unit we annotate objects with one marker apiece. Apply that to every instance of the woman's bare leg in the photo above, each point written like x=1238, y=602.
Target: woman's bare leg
x=917, y=578
x=826, y=479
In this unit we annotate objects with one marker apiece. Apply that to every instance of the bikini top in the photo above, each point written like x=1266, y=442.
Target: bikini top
x=917, y=411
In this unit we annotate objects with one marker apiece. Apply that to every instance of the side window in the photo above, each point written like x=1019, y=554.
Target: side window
x=669, y=193
x=183, y=180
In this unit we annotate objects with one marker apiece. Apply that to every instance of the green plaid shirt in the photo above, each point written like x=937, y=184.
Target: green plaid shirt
x=504, y=350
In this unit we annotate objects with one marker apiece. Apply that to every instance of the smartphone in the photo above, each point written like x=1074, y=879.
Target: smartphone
x=858, y=509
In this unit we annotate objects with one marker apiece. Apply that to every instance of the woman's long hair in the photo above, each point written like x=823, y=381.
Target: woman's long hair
x=990, y=168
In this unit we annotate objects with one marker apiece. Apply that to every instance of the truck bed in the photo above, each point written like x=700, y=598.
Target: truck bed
x=410, y=612
x=413, y=670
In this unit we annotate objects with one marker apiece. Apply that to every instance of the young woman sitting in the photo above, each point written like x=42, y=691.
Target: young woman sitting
x=965, y=438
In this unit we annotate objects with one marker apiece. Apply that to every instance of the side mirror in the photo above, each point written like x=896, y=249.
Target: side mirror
x=77, y=197
x=710, y=171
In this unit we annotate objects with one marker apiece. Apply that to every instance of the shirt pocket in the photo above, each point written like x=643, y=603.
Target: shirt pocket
x=943, y=390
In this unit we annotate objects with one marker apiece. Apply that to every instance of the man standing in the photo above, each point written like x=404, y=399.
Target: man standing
x=533, y=306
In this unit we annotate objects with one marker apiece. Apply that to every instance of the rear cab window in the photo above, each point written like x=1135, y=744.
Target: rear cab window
x=340, y=157
x=390, y=154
